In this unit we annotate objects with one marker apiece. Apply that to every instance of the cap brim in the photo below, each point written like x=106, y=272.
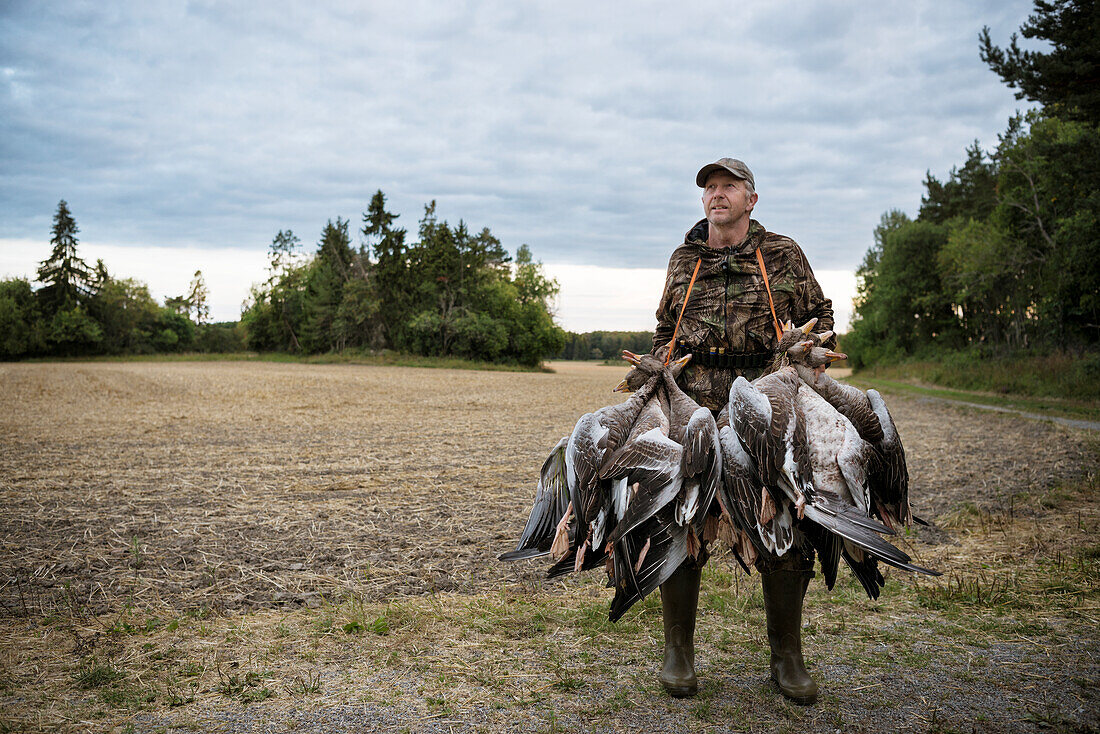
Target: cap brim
x=701, y=177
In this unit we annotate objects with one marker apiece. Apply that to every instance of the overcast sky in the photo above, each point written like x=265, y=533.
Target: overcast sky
x=185, y=134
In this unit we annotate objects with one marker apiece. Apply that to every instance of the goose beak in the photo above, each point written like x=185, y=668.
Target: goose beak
x=682, y=360
x=621, y=387
x=835, y=356
x=826, y=336
x=808, y=326
x=631, y=357
x=800, y=349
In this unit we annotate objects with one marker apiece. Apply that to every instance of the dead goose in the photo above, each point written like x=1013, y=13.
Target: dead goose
x=693, y=428
x=642, y=475
x=771, y=469
x=566, y=493
x=888, y=476
x=665, y=517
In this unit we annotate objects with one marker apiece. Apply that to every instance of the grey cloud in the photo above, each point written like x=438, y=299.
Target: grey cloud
x=576, y=128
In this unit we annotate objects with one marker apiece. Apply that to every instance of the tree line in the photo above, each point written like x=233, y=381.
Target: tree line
x=81, y=310
x=1005, y=253
x=604, y=344
x=449, y=293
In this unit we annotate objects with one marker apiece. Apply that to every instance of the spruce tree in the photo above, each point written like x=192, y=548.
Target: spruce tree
x=67, y=280
x=393, y=280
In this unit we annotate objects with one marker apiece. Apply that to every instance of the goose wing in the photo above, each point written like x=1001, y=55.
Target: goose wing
x=850, y=401
x=743, y=499
x=551, y=501
x=889, y=478
x=652, y=462
x=765, y=418
x=702, y=463
x=834, y=514
x=644, y=559
x=585, y=454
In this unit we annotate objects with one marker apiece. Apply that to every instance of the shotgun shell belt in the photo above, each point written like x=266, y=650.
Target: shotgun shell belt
x=719, y=357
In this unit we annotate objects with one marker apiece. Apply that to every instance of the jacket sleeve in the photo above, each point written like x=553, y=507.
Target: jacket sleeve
x=811, y=301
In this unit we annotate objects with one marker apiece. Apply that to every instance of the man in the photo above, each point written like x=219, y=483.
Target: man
x=728, y=326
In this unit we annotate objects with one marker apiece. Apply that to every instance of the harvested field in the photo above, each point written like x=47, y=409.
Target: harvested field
x=328, y=534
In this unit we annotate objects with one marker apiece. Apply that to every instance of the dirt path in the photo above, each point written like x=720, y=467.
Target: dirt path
x=1069, y=422
x=292, y=492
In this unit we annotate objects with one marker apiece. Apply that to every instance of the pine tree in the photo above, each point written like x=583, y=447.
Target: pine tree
x=67, y=280
x=1065, y=80
x=393, y=282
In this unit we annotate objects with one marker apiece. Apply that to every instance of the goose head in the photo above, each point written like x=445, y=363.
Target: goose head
x=793, y=344
x=807, y=356
x=645, y=368
x=818, y=358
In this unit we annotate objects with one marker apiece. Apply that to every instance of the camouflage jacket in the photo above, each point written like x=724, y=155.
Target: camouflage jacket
x=728, y=307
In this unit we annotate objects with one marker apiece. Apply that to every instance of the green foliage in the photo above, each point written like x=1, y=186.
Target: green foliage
x=1057, y=374
x=901, y=303
x=1005, y=252
x=21, y=327
x=220, y=337
x=80, y=311
x=449, y=294
x=969, y=192
x=276, y=309
x=452, y=294
x=72, y=331
x=128, y=316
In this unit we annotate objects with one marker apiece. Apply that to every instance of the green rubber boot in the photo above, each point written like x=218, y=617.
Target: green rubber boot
x=679, y=603
x=783, y=595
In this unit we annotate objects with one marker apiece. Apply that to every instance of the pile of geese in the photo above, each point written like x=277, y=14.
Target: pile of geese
x=640, y=486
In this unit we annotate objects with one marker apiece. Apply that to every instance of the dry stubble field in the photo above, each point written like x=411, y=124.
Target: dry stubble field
x=266, y=547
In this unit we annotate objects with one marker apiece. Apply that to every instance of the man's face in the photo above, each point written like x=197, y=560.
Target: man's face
x=726, y=200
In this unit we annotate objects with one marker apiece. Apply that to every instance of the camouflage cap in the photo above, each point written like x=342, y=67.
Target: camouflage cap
x=731, y=165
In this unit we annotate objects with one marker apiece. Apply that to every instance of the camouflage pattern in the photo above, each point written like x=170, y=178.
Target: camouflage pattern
x=729, y=304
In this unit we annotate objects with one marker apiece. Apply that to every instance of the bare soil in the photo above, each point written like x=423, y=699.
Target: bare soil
x=260, y=492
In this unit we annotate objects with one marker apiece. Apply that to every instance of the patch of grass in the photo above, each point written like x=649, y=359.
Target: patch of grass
x=973, y=591
x=963, y=515
x=124, y=696
x=361, y=618
x=200, y=612
x=248, y=687
x=1059, y=378
x=324, y=625
x=179, y=695
x=137, y=558
x=191, y=668
x=94, y=674
x=305, y=685
x=1090, y=553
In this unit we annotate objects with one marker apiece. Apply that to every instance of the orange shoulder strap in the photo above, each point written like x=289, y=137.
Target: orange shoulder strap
x=768, y=288
x=687, y=295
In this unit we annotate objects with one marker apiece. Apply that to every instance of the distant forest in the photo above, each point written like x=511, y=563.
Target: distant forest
x=605, y=344
x=449, y=293
x=1005, y=254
